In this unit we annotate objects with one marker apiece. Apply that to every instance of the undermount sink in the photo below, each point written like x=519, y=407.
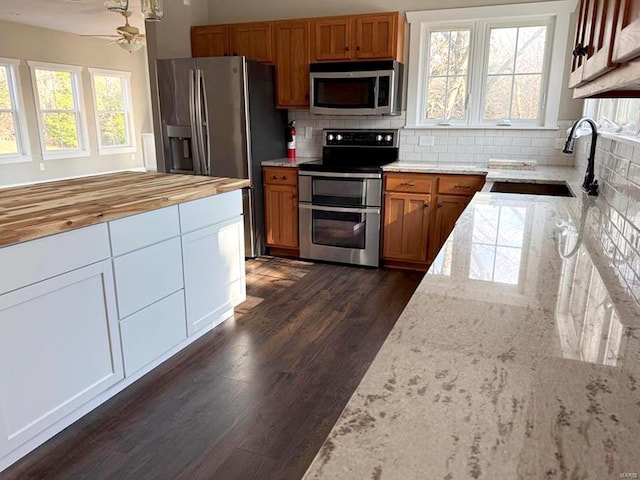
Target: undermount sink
x=553, y=189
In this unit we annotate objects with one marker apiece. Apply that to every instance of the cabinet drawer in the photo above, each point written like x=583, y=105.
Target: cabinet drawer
x=138, y=231
x=460, y=184
x=408, y=182
x=37, y=260
x=145, y=276
x=153, y=331
x=210, y=210
x=281, y=176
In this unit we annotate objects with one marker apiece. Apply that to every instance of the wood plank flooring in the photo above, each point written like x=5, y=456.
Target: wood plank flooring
x=255, y=398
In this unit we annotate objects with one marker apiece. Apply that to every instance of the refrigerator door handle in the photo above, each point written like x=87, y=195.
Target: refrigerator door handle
x=204, y=124
x=195, y=149
x=202, y=159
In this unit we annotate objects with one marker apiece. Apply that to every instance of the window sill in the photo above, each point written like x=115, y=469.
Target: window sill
x=618, y=137
x=15, y=159
x=115, y=151
x=61, y=155
x=477, y=127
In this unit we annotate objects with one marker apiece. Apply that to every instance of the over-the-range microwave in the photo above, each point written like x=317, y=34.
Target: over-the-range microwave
x=356, y=88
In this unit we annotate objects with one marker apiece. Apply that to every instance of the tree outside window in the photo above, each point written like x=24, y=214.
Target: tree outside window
x=111, y=91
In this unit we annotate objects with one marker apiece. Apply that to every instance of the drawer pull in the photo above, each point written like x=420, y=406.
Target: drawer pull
x=408, y=184
x=440, y=205
x=275, y=177
x=284, y=178
x=465, y=187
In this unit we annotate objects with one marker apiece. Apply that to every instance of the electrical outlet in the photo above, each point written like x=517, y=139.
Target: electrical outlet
x=308, y=133
x=559, y=143
x=42, y=166
x=427, y=141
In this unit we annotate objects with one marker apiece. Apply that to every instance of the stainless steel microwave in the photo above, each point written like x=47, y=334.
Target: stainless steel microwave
x=356, y=88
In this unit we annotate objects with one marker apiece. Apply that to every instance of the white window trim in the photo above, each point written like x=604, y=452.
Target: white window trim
x=420, y=21
x=83, y=137
x=590, y=109
x=131, y=148
x=24, y=148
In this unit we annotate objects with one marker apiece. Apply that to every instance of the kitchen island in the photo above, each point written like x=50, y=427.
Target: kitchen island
x=104, y=278
x=518, y=356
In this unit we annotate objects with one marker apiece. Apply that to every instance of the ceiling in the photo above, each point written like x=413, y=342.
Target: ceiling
x=83, y=17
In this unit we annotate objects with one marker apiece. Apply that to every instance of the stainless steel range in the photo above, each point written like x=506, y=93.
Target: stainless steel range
x=341, y=196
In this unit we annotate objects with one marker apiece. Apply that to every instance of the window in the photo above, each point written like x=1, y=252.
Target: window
x=486, y=67
x=58, y=95
x=13, y=132
x=616, y=115
x=112, y=103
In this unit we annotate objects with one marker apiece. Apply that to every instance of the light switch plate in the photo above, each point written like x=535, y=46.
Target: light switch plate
x=308, y=133
x=42, y=166
x=427, y=141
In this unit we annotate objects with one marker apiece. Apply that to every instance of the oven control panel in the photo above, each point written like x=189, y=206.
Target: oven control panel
x=361, y=138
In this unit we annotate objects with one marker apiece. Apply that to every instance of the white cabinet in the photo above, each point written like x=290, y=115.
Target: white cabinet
x=147, y=334
x=59, y=348
x=214, y=273
x=139, y=231
x=147, y=275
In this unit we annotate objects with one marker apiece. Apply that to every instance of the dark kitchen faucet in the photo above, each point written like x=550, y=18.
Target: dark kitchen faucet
x=590, y=184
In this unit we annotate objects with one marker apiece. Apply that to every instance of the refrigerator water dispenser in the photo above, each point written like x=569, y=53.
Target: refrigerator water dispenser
x=179, y=138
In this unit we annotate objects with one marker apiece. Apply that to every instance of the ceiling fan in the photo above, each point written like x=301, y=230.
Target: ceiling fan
x=127, y=36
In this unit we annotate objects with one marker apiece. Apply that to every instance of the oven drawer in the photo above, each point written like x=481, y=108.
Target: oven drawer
x=460, y=184
x=280, y=176
x=408, y=182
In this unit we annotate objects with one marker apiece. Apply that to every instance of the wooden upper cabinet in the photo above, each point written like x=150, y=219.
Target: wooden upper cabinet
x=291, y=40
x=358, y=37
x=332, y=39
x=209, y=41
x=593, y=46
x=252, y=40
x=627, y=39
x=378, y=36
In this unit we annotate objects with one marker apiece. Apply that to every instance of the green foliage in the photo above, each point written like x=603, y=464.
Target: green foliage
x=55, y=93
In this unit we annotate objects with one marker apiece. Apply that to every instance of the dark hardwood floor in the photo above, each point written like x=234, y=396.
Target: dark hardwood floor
x=255, y=398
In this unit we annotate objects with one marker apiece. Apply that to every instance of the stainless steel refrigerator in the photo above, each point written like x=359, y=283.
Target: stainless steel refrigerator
x=219, y=118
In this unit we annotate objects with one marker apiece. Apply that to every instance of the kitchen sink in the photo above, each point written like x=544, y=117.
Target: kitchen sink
x=553, y=189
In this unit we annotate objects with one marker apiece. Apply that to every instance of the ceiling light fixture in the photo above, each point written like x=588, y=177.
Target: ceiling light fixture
x=116, y=5
x=152, y=10
x=130, y=46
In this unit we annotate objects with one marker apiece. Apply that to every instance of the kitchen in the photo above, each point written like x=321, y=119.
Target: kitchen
x=544, y=387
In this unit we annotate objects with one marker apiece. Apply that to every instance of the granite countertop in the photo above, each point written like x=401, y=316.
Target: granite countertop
x=33, y=211
x=518, y=357
x=288, y=162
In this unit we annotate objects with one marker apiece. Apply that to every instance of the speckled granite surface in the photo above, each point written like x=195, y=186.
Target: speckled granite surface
x=518, y=357
x=288, y=162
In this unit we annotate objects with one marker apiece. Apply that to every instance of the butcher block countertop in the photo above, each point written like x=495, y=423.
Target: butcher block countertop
x=34, y=211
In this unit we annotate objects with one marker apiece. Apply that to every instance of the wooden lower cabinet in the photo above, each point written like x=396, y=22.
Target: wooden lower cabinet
x=281, y=208
x=406, y=226
x=448, y=210
x=420, y=211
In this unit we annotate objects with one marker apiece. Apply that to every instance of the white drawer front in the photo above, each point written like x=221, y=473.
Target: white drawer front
x=145, y=276
x=138, y=231
x=210, y=210
x=153, y=331
x=30, y=262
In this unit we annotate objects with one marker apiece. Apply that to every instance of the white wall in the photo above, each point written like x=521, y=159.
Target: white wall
x=24, y=43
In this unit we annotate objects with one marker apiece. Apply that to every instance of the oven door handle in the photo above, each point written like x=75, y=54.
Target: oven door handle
x=307, y=206
x=311, y=173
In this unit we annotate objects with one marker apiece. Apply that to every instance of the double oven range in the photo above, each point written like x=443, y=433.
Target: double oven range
x=341, y=196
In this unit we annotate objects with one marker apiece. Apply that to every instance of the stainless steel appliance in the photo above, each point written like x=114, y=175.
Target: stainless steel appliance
x=341, y=196
x=356, y=88
x=219, y=118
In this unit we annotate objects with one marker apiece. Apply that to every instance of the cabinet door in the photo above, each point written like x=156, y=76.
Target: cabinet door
x=448, y=210
x=375, y=36
x=406, y=226
x=209, y=41
x=331, y=39
x=214, y=273
x=599, y=49
x=582, y=38
x=292, y=63
x=251, y=40
x=281, y=215
x=59, y=348
x=627, y=39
